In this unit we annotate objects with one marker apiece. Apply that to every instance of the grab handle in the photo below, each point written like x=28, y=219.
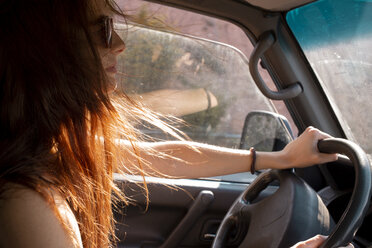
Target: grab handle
x=266, y=40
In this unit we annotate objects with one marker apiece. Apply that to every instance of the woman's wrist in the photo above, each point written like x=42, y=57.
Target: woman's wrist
x=285, y=160
x=272, y=160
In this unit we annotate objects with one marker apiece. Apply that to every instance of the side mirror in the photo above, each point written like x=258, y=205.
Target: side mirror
x=265, y=131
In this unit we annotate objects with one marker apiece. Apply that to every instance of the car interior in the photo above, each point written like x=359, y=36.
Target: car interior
x=296, y=63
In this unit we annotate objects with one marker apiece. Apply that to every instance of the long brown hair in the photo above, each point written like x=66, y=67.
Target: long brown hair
x=58, y=124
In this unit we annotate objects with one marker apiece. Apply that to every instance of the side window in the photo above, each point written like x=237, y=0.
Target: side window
x=205, y=83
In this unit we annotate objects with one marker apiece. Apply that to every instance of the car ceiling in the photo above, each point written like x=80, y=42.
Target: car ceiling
x=277, y=5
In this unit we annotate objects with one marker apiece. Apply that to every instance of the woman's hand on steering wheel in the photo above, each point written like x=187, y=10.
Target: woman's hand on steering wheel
x=315, y=242
x=303, y=151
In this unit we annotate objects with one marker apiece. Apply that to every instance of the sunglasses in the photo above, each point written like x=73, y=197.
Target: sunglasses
x=108, y=27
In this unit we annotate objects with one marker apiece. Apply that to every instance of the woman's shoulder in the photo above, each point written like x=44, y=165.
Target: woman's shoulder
x=27, y=220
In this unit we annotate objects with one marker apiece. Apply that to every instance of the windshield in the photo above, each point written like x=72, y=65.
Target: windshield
x=336, y=37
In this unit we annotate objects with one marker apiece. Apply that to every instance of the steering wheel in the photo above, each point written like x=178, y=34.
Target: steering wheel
x=295, y=212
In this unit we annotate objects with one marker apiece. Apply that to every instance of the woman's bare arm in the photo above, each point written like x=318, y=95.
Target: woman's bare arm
x=184, y=159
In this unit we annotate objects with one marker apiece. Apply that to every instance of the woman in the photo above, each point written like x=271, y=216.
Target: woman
x=60, y=128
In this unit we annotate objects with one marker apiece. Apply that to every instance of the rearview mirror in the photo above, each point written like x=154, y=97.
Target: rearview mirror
x=265, y=131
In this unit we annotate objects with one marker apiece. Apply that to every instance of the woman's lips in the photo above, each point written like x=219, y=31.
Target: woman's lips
x=111, y=69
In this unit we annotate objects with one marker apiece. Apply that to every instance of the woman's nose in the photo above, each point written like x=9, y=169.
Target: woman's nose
x=118, y=45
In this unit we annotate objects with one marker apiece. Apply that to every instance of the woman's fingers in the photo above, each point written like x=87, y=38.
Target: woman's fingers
x=348, y=246
x=315, y=242
x=324, y=157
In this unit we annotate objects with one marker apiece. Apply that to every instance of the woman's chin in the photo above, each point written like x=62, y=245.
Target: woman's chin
x=112, y=84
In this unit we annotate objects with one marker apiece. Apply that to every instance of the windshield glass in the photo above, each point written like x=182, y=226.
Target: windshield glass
x=336, y=37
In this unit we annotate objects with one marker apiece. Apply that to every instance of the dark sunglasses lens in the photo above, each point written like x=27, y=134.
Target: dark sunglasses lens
x=108, y=31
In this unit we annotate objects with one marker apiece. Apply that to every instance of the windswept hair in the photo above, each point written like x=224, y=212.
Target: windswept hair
x=58, y=125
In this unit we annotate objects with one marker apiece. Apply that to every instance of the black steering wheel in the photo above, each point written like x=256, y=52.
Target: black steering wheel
x=295, y=212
